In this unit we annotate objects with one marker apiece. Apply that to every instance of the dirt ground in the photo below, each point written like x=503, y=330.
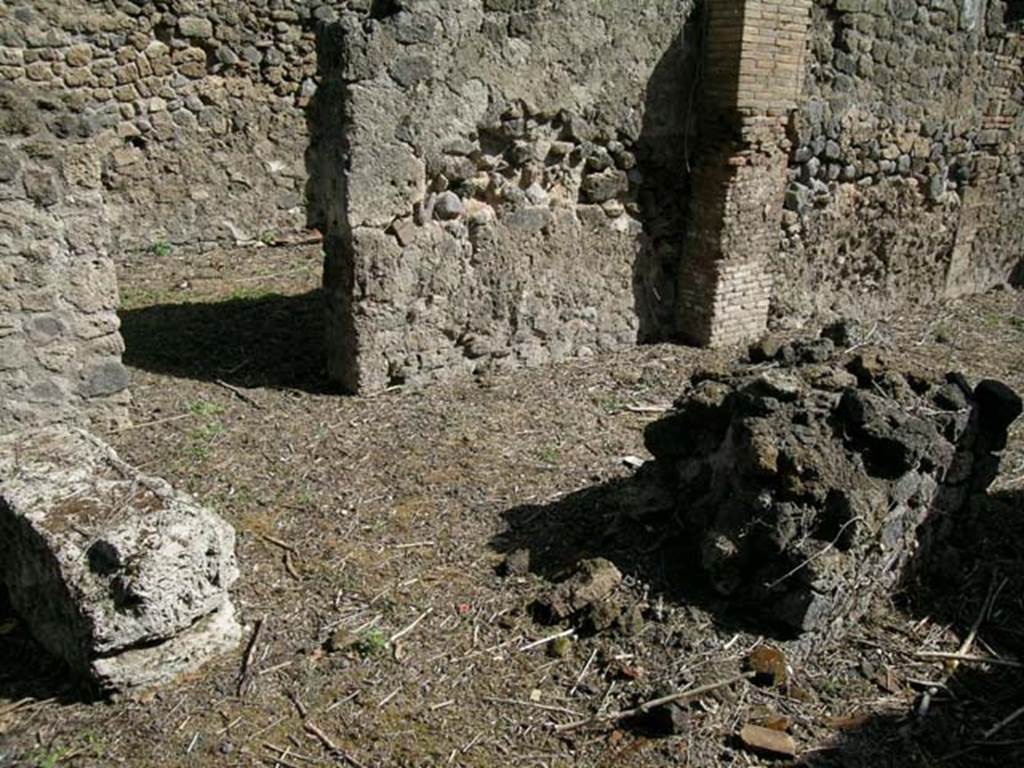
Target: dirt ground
x=372, y=534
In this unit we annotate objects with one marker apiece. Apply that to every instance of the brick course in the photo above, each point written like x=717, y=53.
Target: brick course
x=754, y=70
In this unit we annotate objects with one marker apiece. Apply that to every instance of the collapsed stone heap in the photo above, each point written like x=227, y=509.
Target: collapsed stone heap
x=811, y=479
x=112, y=571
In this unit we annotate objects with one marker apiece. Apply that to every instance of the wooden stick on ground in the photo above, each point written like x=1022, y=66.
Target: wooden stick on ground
x=313, y=730
x=403, y=632
x=966, y=657
x=532, y=704
x=625, y=714
x=288, y=753
x=583, y=674
x=1003, y=723
x=546, y=640
x=986, y=609
x=238, y=393
x=279, y=543
x=250, y=655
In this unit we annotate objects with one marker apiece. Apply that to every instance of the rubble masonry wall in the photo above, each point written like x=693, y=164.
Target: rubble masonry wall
x=512, y=182
x=506, y=183
x=906, y=178
x=60, y=347
x=197, y=108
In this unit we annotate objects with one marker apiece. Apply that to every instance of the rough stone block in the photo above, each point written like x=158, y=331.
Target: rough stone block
x=810, y=485
x=113, y=571
x=59, y=331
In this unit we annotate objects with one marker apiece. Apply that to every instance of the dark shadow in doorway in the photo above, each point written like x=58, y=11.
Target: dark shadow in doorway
x=270, y=341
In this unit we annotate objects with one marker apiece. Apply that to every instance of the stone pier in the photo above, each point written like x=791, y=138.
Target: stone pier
x=60, y=345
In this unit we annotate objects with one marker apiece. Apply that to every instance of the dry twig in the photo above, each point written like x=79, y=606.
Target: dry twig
x=1003, y=723
x=533, y=704
x=625, y=714
x=967, y=657
x=239, y=393
x=313, y=730
x=250, y=654
x=546, y=640
x=403, y=632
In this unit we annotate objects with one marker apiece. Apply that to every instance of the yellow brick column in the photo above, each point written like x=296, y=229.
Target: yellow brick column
x=754, y=67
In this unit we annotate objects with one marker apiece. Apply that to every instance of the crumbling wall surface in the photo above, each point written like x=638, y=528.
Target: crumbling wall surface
x=113, y=571
x=514, y=176
x=906, y=179
x=60, y=347
x=810, y=480
x=197, y=108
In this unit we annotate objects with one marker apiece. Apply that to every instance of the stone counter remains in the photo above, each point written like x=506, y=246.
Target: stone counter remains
x=112, y=571
x=811, y=481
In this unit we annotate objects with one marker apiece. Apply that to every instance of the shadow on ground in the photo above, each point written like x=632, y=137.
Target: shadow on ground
x=950, y=588
x=271, y=341
x=624, y=521
x=29, y=672
x=628, y=522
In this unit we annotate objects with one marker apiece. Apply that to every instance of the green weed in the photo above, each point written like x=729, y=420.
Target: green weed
x=373, y=643
x=201, y=440
x=249, y=294
x=204, y=408
x=549, y=455
x=161, y=249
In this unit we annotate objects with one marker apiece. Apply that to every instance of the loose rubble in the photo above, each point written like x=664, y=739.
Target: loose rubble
x=810, y=480
x=113, y=571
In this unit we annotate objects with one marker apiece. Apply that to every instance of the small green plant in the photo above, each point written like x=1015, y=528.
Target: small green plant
x=268, y=238
x=205, y=409
x=50, y=759
x=373, y=643
x=161, y=249
x=202, y=438
x=610, y=405
x=208, y=431
x=549, y=455
x=199, y=451
x=88, y=744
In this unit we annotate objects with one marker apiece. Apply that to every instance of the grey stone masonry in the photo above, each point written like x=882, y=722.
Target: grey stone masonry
x=60, y=348
x=906, y=179
x=198, y=109
x=504, y=184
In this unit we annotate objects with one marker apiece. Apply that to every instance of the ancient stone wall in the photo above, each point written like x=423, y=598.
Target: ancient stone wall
x=511, y=182
x=60, y=349
x=507, y=183
x=198, y=108
x=906, y=180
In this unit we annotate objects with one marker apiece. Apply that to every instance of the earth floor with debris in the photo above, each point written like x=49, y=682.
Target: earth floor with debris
x=388, y=602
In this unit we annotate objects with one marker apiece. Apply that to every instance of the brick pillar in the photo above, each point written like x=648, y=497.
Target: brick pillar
x=753, y=76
